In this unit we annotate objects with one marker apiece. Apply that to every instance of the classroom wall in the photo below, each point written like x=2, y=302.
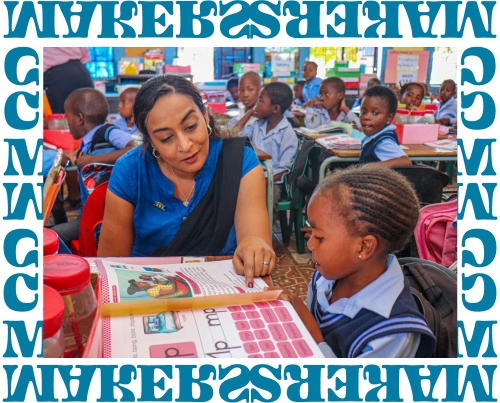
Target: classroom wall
x=384, y=60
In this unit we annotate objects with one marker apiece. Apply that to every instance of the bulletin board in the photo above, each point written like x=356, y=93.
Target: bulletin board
x=420, y=66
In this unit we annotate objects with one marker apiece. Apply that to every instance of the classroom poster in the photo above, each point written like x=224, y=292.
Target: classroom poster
x=27, y=26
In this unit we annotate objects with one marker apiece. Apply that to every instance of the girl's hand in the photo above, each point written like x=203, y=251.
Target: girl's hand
x=314, y=102
x=412, y=107
x=253, y=257
x=305, y=315
x=343, y=107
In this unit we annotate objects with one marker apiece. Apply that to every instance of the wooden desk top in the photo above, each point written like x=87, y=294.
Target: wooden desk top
x=262, y=155
x=412, y=150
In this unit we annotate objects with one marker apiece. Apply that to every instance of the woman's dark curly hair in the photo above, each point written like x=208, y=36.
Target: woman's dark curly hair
x=159, y=86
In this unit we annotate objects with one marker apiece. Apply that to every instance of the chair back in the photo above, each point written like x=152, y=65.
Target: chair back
x=428, y=182
x=92, y=215
x=51, y=189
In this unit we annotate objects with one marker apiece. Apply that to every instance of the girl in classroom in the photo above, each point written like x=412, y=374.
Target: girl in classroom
x=411, y=95
x=381, y=145
x=359, y=304
x=177, y=178
x=330, y=106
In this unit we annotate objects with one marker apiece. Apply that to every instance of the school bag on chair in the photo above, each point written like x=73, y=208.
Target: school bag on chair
x=436, y=234
x=434, y=289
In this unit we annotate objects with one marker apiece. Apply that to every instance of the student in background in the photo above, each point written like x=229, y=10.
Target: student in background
x=380, y=146
x=272, y=132
x=126, y=107
x=232, y=87
x=312, y=84
x=298, y=98
x=87, y=110
x=249, y=88
x=359, y=303
x=411, y=95
x=329, y=106
x=371, y=83
x=447, y=107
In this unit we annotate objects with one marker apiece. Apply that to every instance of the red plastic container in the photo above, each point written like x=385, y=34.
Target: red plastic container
x=61, y=139
x=217, y=107
x=50, y=242
x=417, y=133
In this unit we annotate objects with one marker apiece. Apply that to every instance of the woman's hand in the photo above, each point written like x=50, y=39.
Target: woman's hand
x=253, y=257
x=304, y=313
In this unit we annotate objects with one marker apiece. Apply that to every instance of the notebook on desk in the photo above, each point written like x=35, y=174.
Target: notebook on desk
x=339, y=141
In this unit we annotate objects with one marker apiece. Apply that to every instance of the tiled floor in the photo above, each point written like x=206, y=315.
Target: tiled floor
x=293, y=270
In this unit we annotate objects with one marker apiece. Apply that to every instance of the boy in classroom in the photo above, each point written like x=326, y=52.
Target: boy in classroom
x=359, y=304
x=447, y=107
x=87, y=109
x=381, y=145
x=411, y=95
x=126, y=107
x=329, y=106
x=249, y=88
x=232, y=88
x=310, y=89
x=272, y=132
x=298, y=99
x=371, y=83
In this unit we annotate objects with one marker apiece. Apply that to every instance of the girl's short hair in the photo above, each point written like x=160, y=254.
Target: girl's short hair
x=407, y=86
x=374, y=200
x=334, y=82
x=158, y=87
x=386, y=94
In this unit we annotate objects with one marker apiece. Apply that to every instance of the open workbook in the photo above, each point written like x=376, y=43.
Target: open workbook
x=238, y=325
x=326, y=130
x=339, y=141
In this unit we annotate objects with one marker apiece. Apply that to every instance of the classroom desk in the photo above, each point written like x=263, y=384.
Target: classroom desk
x=416, y=152
x=264, y=160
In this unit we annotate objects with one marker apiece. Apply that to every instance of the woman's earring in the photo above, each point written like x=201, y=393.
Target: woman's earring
x=209, y=128
x=157, y=156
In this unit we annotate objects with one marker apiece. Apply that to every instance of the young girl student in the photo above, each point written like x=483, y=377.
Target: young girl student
x=411, y=95
x=360, y=304
x=249, y=89
x=330, y=105
x=380, y=146
x=447, y=109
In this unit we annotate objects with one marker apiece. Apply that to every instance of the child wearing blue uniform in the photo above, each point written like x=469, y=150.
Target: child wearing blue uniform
x=249, y=88
x=310, y=90
x=329, y=106
x=381, y=144
x=126, y=107
x=86, y=110
x=359, y=304
x=447, y=108
x=272, y=132
x=411, y=95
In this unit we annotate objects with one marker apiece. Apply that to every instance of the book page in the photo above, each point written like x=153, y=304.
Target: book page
x=126, y=282
x=259, y=330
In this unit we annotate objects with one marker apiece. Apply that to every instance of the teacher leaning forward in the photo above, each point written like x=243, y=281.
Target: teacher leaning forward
x=187, y=191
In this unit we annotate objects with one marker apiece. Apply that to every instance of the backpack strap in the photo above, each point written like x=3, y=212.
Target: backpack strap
x=101, y=135
x=431, y=291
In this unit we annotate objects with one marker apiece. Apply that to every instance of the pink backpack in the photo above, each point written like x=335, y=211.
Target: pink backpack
x=435, y=233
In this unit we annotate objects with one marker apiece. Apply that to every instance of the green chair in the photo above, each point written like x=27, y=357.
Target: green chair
x=297, y=185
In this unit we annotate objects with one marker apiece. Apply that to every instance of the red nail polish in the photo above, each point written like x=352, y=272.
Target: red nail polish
x=250, y=285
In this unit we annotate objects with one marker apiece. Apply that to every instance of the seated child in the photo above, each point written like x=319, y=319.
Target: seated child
x=371, y=83
x=232, y=87
x=411, y=95
x=380, y=146
x=86, y=109
x=447, y=108
x=249, y=92
x=312, y=84
x=359, y=304
x=272, y=132
x=298, y=99
x=125, y=107
x=330, y=105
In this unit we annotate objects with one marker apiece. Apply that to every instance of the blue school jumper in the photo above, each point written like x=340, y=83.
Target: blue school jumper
x=348, y=337
x=367, y=154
